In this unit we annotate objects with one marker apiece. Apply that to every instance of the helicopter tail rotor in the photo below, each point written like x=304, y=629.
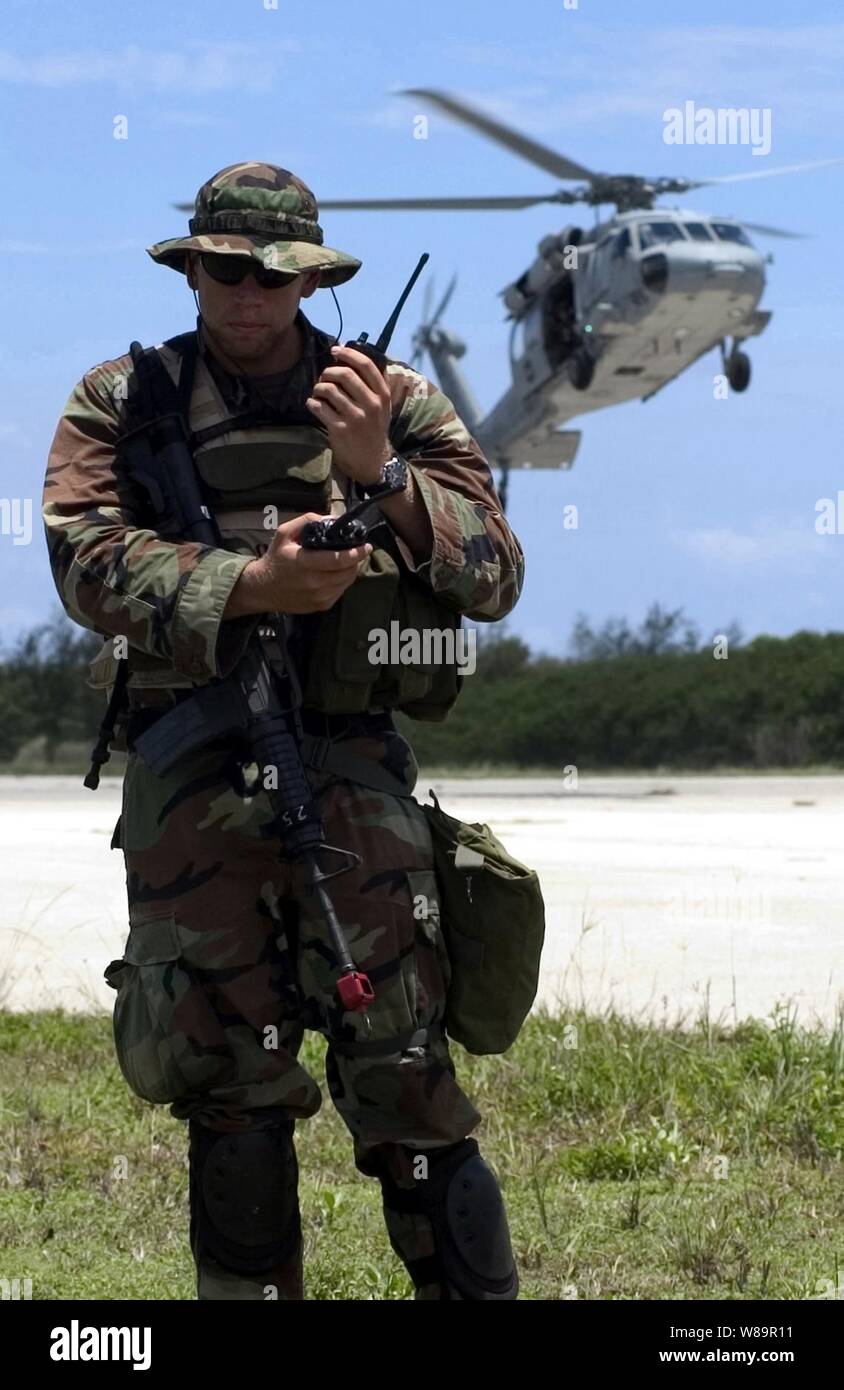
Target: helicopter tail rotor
x=422, y=336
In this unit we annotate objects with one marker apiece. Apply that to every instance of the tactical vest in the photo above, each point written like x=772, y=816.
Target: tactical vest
x=259, y=474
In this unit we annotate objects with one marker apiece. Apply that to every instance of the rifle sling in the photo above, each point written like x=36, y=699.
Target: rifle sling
x=155, y=395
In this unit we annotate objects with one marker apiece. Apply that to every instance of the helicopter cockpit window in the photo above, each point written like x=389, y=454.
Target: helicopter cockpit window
x=698, y=231
x=621, y=245
x=728, y=231
x=656, y=233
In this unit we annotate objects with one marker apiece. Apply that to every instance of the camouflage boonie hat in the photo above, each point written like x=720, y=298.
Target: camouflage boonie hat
x=261, y=211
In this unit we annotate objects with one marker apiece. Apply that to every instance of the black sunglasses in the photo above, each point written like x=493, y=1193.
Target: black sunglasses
x=233, y=270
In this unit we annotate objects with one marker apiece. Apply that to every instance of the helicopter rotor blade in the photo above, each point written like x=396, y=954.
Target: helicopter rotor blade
x=775, y=231
x=438, y=204
x=443, y=304
x=549, y=160
x=768, y=173
x=418, y=339
x=427, y=300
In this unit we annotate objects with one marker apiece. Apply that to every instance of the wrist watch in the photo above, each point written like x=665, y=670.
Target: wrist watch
x=393, y=478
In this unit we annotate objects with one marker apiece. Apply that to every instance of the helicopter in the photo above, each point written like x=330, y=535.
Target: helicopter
x=602, y=315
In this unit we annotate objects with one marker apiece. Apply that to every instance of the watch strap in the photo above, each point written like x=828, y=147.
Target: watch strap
x=393, y=476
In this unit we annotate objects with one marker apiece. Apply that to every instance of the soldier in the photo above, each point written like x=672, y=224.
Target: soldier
x=226, y=962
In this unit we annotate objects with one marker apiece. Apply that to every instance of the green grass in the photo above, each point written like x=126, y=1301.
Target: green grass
x=637, y=1162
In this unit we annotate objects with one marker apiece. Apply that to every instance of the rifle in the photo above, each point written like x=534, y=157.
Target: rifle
x=259, y=702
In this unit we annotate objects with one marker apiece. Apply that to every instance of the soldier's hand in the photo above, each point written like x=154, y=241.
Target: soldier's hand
x=290, y=579
x=352, y=401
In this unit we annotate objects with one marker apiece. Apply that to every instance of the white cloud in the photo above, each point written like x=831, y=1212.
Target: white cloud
x=767, y=544
x=198, y=67
x=611, y=72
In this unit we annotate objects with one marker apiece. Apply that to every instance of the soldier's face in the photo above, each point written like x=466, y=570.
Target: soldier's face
x=249, y=323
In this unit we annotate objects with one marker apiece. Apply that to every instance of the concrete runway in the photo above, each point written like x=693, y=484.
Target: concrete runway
x=660, y=891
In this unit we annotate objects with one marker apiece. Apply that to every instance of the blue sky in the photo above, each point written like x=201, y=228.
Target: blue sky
x=695, y=502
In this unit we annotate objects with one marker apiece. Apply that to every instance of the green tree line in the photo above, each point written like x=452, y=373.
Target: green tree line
x=43, y=690
x=658, y=695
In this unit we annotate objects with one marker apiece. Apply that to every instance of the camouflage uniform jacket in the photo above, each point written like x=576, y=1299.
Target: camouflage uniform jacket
x=116, y=576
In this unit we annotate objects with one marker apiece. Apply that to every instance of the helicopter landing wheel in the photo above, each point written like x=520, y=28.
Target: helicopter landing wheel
x=738, y=370
x=580, y=368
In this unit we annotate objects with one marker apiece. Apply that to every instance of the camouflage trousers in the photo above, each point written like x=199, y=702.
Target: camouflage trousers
x=228, y=962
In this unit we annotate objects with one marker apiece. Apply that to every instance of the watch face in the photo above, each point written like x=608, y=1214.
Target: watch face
x=393, y=477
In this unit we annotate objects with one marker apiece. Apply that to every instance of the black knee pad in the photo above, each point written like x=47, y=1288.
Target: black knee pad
x=462, y=1198
x=244, y=1196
